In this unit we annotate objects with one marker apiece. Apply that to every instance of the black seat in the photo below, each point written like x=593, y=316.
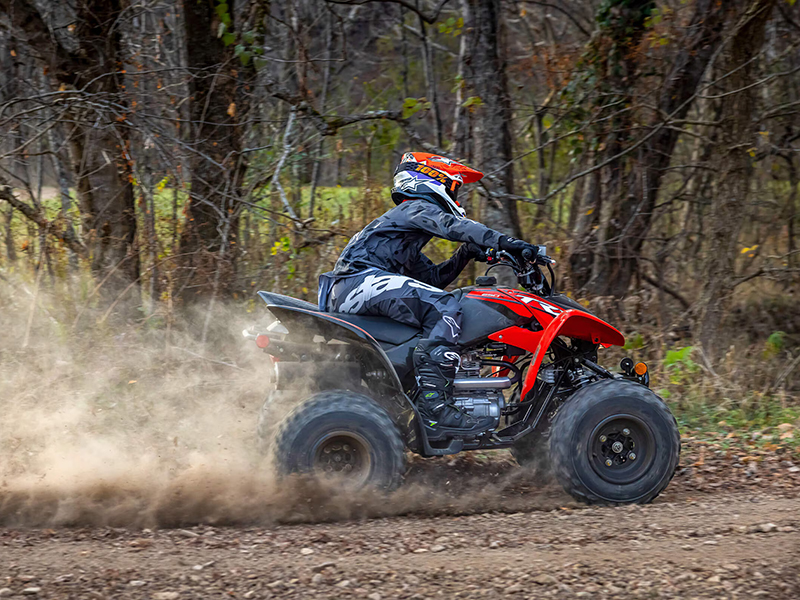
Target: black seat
x=381, y=328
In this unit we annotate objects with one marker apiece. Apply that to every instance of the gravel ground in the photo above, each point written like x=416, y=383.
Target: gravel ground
x=722, y=530
x=725, y=545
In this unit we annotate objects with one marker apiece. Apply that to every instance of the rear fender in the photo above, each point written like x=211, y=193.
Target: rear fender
x=573, y=324
x=306, y=325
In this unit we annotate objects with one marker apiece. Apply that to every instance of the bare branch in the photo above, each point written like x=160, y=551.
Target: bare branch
x=429, y=18
x=66, y=235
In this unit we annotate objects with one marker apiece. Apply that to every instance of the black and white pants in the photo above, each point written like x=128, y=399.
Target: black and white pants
x=380, y=293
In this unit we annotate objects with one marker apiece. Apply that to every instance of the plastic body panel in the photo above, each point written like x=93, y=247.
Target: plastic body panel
x=519, y=337
x=573, y=324
x=480, y=319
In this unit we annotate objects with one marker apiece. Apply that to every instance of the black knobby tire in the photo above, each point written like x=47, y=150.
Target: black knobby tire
x=590, y=426
x=346, y=425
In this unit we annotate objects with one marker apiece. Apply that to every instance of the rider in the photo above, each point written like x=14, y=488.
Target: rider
x=382, y=271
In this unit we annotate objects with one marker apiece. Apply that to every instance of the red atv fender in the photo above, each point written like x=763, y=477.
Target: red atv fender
x=570, y=323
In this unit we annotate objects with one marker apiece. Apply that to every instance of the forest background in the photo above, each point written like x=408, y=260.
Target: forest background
x=162, y=160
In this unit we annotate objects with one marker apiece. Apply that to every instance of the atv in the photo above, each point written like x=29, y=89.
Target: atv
x=528, y=361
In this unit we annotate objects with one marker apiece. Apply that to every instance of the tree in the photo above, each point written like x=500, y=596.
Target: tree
x=83, y=59
x=208, y=247
x=729, y=208
x=618, y=203
x=488, y=83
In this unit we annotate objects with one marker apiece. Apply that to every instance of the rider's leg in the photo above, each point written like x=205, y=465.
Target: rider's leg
x=438, y=314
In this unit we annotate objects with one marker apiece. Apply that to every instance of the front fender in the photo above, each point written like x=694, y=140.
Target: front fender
x=573, y=324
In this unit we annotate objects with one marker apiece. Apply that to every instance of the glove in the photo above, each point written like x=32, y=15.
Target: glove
x=517, y=247
x=475, y=252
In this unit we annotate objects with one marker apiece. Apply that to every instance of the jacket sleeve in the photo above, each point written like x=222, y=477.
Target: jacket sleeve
x=437, y=222
x=444, y=273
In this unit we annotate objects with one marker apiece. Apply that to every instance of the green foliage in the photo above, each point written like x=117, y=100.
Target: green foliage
x=247, y=46
x=473, y=101
x=634, y=341
x=679, y=367
x=653, y=19
x=760, y=422
x=680, y=359
x=775, y=344
x=411, y=106
x=243, y=54
x=452, y=26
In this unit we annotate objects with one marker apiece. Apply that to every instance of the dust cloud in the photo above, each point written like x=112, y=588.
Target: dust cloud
x=104, y=425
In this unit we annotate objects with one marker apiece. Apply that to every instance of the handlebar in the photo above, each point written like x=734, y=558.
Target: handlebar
x=526, y=268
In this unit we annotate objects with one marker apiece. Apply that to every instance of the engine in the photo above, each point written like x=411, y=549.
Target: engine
x=483, y=401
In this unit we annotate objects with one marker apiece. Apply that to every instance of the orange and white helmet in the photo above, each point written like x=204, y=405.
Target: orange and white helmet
x=432, y=177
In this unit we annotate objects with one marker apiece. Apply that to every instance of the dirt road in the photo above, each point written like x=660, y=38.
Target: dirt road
x=732, y=544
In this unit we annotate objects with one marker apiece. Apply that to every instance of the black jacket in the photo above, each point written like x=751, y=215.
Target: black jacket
x=393, y=242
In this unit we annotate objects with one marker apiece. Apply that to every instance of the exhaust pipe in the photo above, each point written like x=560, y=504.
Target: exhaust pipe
x=482, y=383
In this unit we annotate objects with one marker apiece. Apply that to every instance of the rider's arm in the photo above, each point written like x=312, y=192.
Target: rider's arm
x=437, y=222
x=444, y=273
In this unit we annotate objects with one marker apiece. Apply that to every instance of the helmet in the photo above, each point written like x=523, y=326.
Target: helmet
x=432, y=177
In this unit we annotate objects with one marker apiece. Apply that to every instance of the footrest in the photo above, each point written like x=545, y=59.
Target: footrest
x=454, y=447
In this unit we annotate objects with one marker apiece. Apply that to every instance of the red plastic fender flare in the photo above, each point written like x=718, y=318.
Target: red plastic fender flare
x=574, y=324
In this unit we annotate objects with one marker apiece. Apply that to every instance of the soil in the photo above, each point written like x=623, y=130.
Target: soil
x=726, y=527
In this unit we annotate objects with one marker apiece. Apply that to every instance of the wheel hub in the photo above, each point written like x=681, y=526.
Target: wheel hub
x=345, y=454
x=621, y=449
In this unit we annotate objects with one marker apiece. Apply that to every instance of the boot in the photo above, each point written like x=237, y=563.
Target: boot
x=436, y=366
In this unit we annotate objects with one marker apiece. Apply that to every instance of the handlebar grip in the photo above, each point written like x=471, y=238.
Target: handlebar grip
x=527, y=254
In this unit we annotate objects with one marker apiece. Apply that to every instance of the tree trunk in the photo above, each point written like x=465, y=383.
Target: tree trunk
x=791, y=209
x=323, y=97
x=461, y=114
x=430, y=80
x=11, y=251
x=729, y=205
x=208, y=241
x=487, y=80
x=86, y=56
x=608, y=244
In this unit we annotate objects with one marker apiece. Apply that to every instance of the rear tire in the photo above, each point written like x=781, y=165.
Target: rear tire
x=614, y=442
x=341, y=434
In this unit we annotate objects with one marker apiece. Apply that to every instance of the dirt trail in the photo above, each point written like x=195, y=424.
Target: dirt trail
x=733, y=544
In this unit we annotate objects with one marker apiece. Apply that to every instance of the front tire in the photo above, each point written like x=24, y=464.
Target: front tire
x=614, y=442
x=341, y=434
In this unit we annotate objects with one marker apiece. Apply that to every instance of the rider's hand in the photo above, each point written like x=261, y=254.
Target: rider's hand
x=517, y=247
x=475, y=252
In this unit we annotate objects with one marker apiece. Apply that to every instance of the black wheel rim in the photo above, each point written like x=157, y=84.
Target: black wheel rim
x=344, y=455
x=621, y=449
